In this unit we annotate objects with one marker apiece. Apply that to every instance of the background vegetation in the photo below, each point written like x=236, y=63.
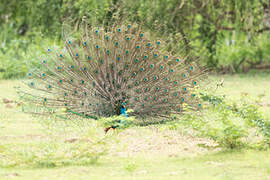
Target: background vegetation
x=228, y=36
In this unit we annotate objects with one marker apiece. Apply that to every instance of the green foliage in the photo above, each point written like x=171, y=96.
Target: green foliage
x=46, y=16
x=130, y=167
x=238, y=51
x=228, y=122
x=120, y=122
x=206, y=25
x=231, y=36
x=254, y=118
x=22, y=55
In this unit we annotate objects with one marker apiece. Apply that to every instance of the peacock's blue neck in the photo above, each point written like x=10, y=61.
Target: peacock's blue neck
x=123, y=111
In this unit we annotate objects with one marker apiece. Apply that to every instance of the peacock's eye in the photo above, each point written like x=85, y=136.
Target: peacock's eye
x=106, y=67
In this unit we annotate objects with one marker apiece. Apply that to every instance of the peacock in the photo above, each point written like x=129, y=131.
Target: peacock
x=107, y=71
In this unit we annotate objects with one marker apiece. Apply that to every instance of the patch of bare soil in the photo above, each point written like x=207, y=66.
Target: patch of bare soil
x=265, y=104
x=11, y=175
x=28, y=137
x=148, y=140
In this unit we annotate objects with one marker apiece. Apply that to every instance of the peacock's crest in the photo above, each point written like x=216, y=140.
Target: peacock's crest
x=102, y=71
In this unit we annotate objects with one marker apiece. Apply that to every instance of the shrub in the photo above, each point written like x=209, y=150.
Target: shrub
x=227, y=122
x=22, y=55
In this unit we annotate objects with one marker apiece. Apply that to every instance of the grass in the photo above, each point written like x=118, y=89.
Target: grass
x=253, y=84
x=230, y=165
x=38, y=148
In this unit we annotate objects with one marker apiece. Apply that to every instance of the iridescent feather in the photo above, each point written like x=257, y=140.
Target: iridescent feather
x=106, y=70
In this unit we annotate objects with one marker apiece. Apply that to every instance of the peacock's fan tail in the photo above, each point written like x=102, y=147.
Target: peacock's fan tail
x=102, y=70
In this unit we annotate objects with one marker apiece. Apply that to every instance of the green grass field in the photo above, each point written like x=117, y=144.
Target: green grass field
x=40, y=148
